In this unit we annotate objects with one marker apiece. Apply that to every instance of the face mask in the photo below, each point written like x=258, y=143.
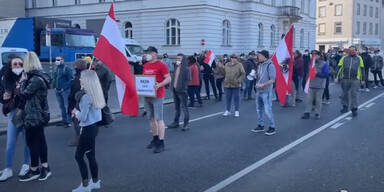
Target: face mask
x=148, y=57
x=58, y=62
x=178, y=62
x=17, y=71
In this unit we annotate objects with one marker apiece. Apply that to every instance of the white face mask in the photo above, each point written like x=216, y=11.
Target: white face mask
x=178, y=62
x=57, y=62
x=17, y=71
x=148, y=57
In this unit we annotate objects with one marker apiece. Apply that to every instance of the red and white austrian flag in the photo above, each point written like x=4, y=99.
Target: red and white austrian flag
x=311, y=74
x=209, y=58
x=110, y=50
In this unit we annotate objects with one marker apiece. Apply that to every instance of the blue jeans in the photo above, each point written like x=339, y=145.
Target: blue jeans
x=62, y=99
x=264, y=104
x=248, y=88
x=232, y=93
x=12, y=134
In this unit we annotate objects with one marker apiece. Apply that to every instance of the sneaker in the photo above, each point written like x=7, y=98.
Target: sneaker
x=258, y=129
x=185, y=127
x=24, y=169
x=67, y=125
x=317, y=116
x=6, y=174
x=174, y=125
x=44, y=173
x=354, y=112
x=367, y=90
x=226, y=113
x=375, y=87
x=327, y=102
x=305, y=116
x=81, y=188
x=159, y=147
x=30, y=176
x=237, y=114
x=93, y=185
x=271, y=131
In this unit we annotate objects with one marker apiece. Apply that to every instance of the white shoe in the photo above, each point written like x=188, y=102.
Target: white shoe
x=226, y=113
x=93, y=185
x=24, y=169
x=375, y=87
x=237, y=114
x=6, y=174
x=366, y=90
x=81, y=188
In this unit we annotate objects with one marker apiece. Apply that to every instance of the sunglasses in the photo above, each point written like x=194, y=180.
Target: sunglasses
x=58, y=59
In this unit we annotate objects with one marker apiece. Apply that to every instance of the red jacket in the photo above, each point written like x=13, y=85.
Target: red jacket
x=195, y=75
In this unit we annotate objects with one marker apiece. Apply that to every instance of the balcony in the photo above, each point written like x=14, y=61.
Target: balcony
x=290, y=12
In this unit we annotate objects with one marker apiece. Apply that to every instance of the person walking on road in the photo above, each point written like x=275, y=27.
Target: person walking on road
x=194, y=84
x=179, y=87
x=34, y=89
x=234, y=75
x=11, y=103
x=91, y=101
x=266, y=76
x=317, y=86
x=154, y=106
x=350, y=74
x=62, y=79
x=377, y=68
x=80, y=65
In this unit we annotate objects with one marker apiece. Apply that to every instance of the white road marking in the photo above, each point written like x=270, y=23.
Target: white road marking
x=370, y=105
x=336, y=125
x=277, y=153
x=203, y=117
x=348, y=118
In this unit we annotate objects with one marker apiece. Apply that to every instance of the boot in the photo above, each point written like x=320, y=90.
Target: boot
x=354, y=112
x=152, y=144
x=344, y=109
x=159, y=146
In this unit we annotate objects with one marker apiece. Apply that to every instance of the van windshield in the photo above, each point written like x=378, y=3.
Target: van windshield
x=6, y=55
x=80, y=40
x=135, y=50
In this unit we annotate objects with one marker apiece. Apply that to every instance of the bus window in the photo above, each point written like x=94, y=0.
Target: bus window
x=56, y=40
x=72, y=40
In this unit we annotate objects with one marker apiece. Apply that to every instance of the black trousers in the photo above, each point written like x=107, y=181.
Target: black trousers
x=380, y=74
x=219, y=85
x=326, y=90
x=37, y=145
x=193, y=92
x=87, y=147
x=181, y=100
x=209, y=79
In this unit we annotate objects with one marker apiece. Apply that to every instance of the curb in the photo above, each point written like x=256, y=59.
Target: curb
x=116, y=111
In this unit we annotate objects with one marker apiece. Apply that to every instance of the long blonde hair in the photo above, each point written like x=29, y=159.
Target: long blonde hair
x=92, y=87
x=31, y=62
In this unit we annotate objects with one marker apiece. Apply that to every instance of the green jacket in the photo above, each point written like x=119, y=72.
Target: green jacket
x=350, y=67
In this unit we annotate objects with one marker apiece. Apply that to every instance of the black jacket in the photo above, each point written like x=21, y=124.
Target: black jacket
x=367, y=60
x=105, y=77
x=249, y=65
x=10, y=81
x=184, y=78
x=35, y=92
x=75, y=87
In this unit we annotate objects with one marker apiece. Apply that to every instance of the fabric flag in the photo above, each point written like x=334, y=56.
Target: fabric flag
x=311, y=74
x=209, y=58
x=110, y=50
x=283, y=62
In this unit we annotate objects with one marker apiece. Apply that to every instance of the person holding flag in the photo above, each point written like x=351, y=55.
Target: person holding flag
x=318, y=73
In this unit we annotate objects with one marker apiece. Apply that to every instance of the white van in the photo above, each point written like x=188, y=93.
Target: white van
x=133, y=50
x=5, y=52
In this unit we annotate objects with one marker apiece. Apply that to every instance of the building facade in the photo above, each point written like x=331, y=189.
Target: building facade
x=342, y=23
x=14, y=8
x=226, y=26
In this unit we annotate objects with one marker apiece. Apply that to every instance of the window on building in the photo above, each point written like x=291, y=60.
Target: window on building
x=309, y=7
x=357, y=27
x=273, y=36
x=322, y=11
x=302, y=38
x=308, y=39
x=321, y=29
x=370, y=28
x=273, y=3
x=77, y=2
x=377, y=12
x=338, y=28
x=226, y=33
x=358, y=9
x=376, y=29
x=173, y=32
x=261, y=31
x=371, y=11
x=302, y=6
x=33, y=4
x=54, y=3
x=128, y=30
x=294, y=3
x=339, y=10
x=364, y=28
x=101, y=1
x=365, y=10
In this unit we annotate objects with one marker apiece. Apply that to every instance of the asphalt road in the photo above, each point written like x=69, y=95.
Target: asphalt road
x=347, y=157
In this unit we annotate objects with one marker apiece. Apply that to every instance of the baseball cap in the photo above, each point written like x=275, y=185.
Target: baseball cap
x=151, y=49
